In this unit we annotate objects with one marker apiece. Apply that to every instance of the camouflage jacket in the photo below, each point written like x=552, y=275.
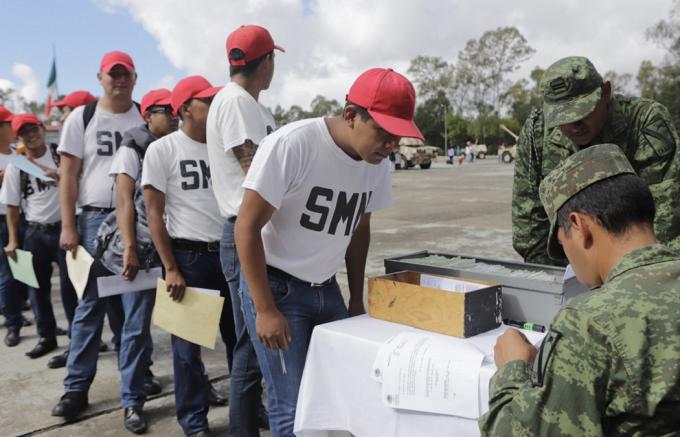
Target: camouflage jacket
x=610, y=364
x=641, y=127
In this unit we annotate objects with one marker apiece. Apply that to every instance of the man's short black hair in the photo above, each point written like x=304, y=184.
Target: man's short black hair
x=250, y=67
x=363, y=113
x=617, y=204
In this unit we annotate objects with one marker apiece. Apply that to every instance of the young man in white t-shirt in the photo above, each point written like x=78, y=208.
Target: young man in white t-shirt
x=177, y=183
x=237, y=123
x=39, y=200
x=10, y=289
x=309, y=195
x=119, y=249
x=86, y=157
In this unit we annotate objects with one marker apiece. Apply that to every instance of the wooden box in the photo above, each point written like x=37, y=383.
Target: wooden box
x=399, y=297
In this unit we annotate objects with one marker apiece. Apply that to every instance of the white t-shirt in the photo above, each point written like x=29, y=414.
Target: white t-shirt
x=41, y=204
x=178, y=166
x=319, y=193
x=234, y=117
x=126, y=161
x=3, y=166
x=96, y=146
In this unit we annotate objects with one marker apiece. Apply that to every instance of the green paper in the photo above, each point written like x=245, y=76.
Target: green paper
x=22, y=268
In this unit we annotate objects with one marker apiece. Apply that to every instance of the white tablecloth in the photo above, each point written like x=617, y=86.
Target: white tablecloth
x=338, y=393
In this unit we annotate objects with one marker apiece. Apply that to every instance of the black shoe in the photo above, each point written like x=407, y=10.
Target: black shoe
x=25, y=305
x=44, y=346
x=58, y=361
x=71, y=405
x=61, y=331
x=25, y=322
x=12, y=338
x=263, y=418
x=214, y=398
x=204, y=433
x=103, y=347
x=152, y=385
x=134, y=420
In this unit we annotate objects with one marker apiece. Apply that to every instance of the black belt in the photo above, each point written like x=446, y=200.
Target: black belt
x=283, y=276
x=232, y=219
x=49, y=227
x=90, y=208
x=196, y=246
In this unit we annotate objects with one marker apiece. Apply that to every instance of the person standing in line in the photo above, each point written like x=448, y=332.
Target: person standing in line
x=176, y=179
x=237, y=123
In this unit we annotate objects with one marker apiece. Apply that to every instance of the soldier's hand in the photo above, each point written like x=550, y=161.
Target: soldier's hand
x=130, y=264
x=175, y=285
x=272, y=329
x=512, y=345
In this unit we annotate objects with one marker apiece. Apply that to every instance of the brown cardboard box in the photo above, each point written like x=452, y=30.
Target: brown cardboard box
x=399, y=297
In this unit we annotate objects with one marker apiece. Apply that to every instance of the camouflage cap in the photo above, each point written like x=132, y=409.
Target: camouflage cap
x=580, y=170
x=571, y=87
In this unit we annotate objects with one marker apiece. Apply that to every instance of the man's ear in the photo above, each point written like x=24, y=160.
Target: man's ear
x=99, y=76
x=349, y=114
x=147, y=117
x=582, y=229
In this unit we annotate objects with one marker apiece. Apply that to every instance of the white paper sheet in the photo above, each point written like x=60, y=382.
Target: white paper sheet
x=79, y=269
x=22, y=163
x=112, y=285
x=433, y=374
x=449, y=284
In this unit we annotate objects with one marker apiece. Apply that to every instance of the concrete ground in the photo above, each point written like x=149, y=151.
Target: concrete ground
x=455, y=209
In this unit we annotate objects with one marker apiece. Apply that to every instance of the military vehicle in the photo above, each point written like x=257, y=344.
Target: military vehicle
x=510, y=152
x=479, y=150
x=414, y=152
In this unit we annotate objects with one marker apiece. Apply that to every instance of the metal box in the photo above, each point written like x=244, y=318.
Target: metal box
x=528, y=299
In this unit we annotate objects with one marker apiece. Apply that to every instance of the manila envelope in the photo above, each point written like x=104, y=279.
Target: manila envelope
x=196, y=318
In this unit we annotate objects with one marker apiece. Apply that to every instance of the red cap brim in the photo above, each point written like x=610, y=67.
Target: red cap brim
x=208, y=92
x=279, y=48
x=59, y=103
x=109, y=67
x=397, y=126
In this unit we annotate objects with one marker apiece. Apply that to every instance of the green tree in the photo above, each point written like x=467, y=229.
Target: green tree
x=431, y=76
x=430, y=119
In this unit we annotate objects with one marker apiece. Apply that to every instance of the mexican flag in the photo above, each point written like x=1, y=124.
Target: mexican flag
x=51, y=88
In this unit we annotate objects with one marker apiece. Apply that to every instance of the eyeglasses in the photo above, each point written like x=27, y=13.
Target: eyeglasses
x=167, y=110
x=120, y=74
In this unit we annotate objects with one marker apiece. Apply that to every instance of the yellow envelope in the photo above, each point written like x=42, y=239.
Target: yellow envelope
x=196, y=318
x=79, y=269
x=22, y=268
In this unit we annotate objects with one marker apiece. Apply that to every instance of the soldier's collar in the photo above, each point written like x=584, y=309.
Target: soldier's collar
x=641, y=257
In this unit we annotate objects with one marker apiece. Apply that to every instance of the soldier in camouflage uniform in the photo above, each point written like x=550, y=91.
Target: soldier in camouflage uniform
x=578, y=111
x=610, y=363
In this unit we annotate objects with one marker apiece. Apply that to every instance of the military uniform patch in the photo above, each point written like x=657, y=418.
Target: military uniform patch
x=543, y=356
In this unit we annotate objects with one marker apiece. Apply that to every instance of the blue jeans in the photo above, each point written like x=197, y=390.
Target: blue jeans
x=87, y=326
x=199, y=269
x=10, y=289
x=304, y=307
x=245, y=389
x=44, y=245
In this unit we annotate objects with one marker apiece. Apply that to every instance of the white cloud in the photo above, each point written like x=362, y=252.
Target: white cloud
x=27, y=85
x=329, y=42
x=168, y=81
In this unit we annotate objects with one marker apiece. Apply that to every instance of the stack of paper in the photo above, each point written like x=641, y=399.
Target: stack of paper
x=429, y=373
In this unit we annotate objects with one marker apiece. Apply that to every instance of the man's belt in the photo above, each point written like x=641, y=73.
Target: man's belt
x=48, y=227
x=90, y=208
x=195, y=246
x=285, y=277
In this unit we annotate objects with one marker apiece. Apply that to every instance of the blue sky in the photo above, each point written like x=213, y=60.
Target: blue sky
x=81, y=32
x=328, y=42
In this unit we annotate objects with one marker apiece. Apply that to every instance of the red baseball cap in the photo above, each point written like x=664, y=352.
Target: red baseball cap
x=111, y=59
x=192, y=87
x=159, y=97
x=389, y=98
x=21, y=120
x=249, y=42
x=75, y=99
x=5, y=115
